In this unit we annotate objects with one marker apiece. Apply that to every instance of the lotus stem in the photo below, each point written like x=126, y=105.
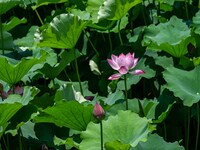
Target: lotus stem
x=101, y=131
x=97, y=53
x=198, y=124
x=77, y=72
x=38, y=15
x=110, y=41
x=186, y=10
x=2, y=39
x=119, y=33
x=126, y=92
x=187, y=129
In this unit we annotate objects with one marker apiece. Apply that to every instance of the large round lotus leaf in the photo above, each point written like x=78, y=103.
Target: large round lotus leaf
x=126, y=127
x=184, y=84
x=172, y=37
x=116, y=9
x=63, y=32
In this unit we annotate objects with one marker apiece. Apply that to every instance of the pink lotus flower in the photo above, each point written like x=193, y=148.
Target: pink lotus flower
x=123, y=64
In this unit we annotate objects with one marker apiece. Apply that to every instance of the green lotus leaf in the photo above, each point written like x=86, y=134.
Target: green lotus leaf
x=47, y=2
x=6, y=41
x=116, y=9
x=93, y=8
x=156, y=142
x=116, y=145
x=126, y=127
x=69, y=114
x=13, y=23
x=13, y=73
x=7, y=111
x=172, y=37
x=196, y=22
x=184, y=84
x=28, y=95
x=66, y=58
x=6, y=5
x=63, y=32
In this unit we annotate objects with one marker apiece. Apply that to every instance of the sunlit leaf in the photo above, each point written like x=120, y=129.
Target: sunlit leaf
x=156, y=142
x=116, y=145
x=93, y=8
x=126, y=127
x=172, y=37
x=63, y=32
x=116, y=9
x=6, y=5
x=179, y=81
x=69, y=114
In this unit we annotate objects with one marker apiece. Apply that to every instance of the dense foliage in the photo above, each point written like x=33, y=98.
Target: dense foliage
x=99, y=74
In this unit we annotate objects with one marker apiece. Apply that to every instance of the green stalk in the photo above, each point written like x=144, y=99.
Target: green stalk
x=126, y=92
x=2, y=39
x=97, y=53
x=198, y=124
x=186, y=10
x=141, y=111
x=165, y=131
x=187, y=130
x=4, y=141
x=38, y=15
x=143, y=14
x=20, y=140
x=77, y=72
x=110, y=41
x=101, y=130
x=119, y=33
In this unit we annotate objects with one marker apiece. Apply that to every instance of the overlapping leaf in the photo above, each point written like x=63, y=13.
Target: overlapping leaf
x=157, y=143
x=184, y=84
x=13, y=73
x=47, y=2
x=196, y=22
x=69, y=114
x=6, y=5
x=172, y=37
x=126, y=127
x=63, y=32
x=116, y=9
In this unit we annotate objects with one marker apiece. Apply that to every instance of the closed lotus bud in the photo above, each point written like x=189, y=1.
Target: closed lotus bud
x=98, y=111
